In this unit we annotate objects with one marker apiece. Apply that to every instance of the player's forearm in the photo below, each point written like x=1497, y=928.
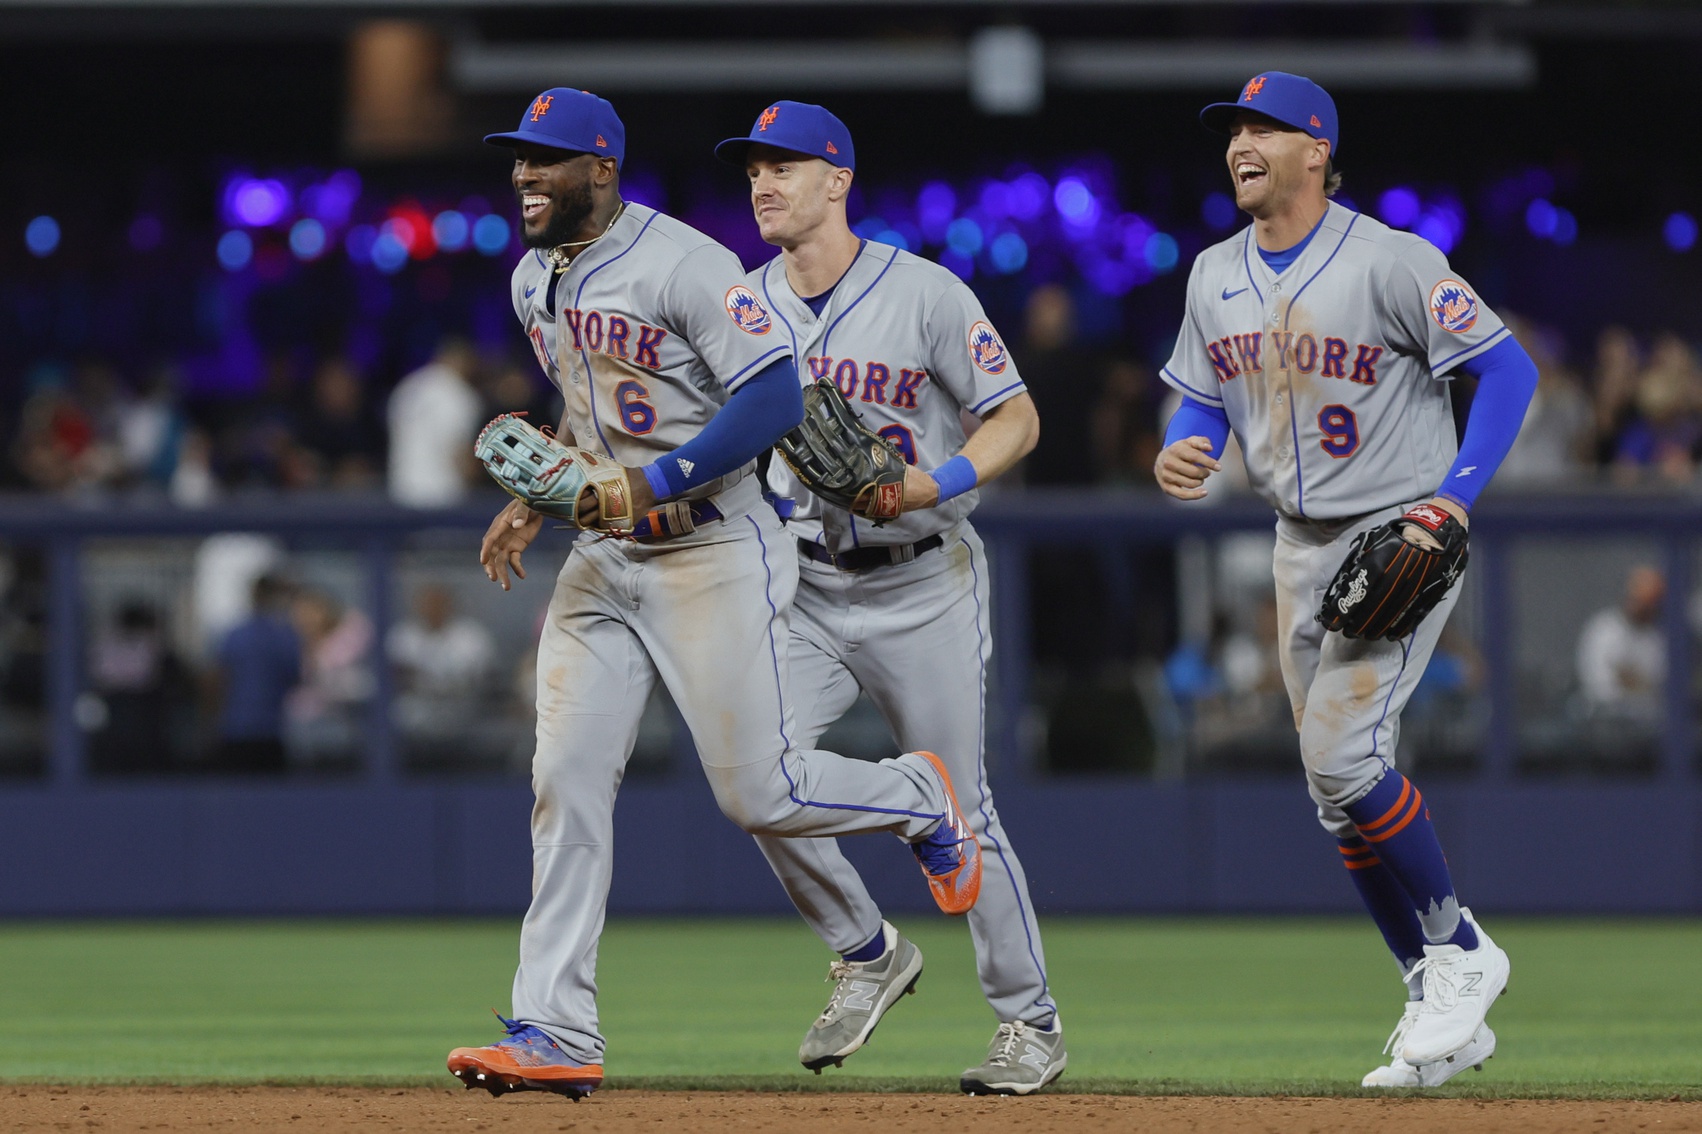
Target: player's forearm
x=1008, y=433
x=1196, y=419
x=757, y=415
x=1507, y=377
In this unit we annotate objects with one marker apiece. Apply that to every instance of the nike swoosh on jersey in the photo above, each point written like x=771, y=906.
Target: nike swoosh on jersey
x=1227, y=294
x=530, y=291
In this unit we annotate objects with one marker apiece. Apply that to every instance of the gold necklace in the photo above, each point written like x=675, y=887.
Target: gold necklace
x=561, y=258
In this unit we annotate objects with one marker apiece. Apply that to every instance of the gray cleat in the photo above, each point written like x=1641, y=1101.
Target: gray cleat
x=1021, y=1059
x=862, y=993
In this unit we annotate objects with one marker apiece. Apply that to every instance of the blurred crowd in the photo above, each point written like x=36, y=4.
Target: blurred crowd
x=314, y=424
x=1625, y=408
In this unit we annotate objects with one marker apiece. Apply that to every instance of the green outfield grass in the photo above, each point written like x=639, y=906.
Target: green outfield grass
x=1599, y=1008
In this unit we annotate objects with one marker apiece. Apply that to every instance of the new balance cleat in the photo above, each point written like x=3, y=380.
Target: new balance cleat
x=862, y=993
x=1459, y=987
x=950, y=854
x=1021, y=1059
x=527, y=1060
x=1400, y=1073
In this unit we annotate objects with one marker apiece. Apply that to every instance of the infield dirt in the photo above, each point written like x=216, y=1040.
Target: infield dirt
x=345, y=1109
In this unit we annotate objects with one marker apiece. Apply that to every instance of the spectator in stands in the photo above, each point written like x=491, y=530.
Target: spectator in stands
x=323, y=713
x=1618, y=362
x=1622, y=652
x=144, y=688
x=1665, y=436
x=435, y=414
x=151, y=429
x=59, y=446
x=337, y=431
x=259, y=662
x=1556, y=443
x=1125, y=436
x=445, y=667
x=512, y=387
x=1063, y=378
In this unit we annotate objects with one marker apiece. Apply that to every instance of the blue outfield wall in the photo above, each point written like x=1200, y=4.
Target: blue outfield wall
x=1090, y=846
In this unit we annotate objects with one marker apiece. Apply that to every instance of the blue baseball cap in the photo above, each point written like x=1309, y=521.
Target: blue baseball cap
x=1293, y=100
x=802, y=127
x=566, y=119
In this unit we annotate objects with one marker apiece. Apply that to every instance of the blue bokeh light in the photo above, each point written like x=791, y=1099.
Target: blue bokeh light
x=307, y=239
x=1028, y=196
x=1075, y=202
x=1218, y=211
x=332, y=201
x=892, y=237
x=996, y=200
x=259, y=202
x=490, y=234
x=1565, y=227
x=1679, y=232
x=869, y=226
x=1008, y=253
x=1542, y=218
x=41, y=236
x=936, y=204
x=964, y=237
x=1437, y=228
x=236, y=249
x=451, y=230
x=1398, y=207
x=1161, y=252
x=358, y=244
x=389, y=251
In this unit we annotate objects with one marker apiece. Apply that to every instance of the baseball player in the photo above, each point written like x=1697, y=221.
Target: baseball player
x=899, y=611
x=1325, y=340
x=673, y=369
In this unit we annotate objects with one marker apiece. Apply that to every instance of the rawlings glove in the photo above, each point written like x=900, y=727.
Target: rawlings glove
x=842, y=460
x=1395, y=574
x=552, y=478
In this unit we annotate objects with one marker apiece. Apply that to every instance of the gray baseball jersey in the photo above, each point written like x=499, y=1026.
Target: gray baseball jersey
x=645, y=333
x=909, y=346
x=1329, y=372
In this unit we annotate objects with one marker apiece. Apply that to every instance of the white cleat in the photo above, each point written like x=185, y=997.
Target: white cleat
x=1459, y=987
x=1400, y=1073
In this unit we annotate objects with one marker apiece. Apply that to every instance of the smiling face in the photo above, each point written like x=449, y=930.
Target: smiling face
x=1272, y=165
x=557, y=191
x=792, y=194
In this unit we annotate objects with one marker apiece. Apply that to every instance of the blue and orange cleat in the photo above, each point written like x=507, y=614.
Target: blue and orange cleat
x=951, y=854
x=528, y=1060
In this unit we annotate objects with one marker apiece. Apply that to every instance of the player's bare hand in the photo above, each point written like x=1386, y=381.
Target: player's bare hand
x=643, y=499
x=920, y=489
x=1182, y=468
x=511, y=533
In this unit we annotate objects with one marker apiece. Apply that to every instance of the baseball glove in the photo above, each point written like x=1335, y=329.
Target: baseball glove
x=552, y=478
x=842, y=460
x=1395, y=574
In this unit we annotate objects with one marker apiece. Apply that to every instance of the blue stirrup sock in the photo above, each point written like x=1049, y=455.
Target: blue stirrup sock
x=870, y=952
x=1387, y=903
x=1395, y=824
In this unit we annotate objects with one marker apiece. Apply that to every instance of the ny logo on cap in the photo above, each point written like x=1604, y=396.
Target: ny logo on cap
x=541, y=106
x=1253, y=88
x=767, y=119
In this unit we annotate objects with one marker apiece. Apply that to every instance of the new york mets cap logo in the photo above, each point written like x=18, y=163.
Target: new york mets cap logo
x=767, y=119
x=747, y=310
x=541, y=106
x=985, y=349
x=1453, y=306
x=1253, y=87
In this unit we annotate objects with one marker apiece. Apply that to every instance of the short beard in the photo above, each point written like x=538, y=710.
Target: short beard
x=567, y=213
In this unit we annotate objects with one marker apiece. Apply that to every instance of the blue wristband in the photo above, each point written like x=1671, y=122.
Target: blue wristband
x=658, y=482
x=955, y=477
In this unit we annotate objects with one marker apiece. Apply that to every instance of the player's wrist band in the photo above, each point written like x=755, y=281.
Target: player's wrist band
x=955, y=477
x=658, y=483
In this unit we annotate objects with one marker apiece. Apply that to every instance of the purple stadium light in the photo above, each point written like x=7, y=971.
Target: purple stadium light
x=1398, y=207
x=1679, y=232
x=1542, y=218
x=359, y=243
x=258, y=202
x=332, y=201
x=936, y=204
x=1008, y=253
x=1218, y=211
x=961, y=266
x=1076, y=203
x=1434, y=227
x=996, y=200
x=1029, y=193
